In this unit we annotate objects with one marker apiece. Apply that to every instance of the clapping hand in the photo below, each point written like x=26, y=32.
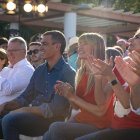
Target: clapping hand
x=64, y=89
x=126, y=71
x=99, y=67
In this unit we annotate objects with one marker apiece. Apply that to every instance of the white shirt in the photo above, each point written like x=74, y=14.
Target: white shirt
x=136, y=111
x=13, y=81
x=119, y=110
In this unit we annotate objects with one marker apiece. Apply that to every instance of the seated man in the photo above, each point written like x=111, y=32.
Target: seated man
x=15, y=78
x=45, y=106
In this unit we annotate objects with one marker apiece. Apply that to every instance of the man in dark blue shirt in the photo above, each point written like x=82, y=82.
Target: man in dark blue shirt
x=39, y=106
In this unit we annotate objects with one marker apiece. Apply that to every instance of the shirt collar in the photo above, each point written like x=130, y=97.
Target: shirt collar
x=59, y=64
x=21, y=62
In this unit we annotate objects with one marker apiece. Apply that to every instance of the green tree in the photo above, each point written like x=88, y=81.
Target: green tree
x=126, y=5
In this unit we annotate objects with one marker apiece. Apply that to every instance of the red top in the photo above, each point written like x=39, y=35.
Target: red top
x=131, y=120
x=86, y=117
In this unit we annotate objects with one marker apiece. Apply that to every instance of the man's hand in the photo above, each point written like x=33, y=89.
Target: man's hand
x=8, y=106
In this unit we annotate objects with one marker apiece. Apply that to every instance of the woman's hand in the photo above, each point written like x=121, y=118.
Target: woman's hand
x=99, y=67
x=126, y=71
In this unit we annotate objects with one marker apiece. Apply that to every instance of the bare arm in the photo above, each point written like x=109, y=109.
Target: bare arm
x=103, y=90
x=106, y=70
x=133, y=79
x=135, y=95
x=63, y=89
x=99, y=67
x=98, y=110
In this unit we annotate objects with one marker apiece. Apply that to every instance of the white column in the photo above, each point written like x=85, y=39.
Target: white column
x=70, y=25
x=14, y=29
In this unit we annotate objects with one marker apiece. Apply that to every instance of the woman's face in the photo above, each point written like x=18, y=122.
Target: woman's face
x=135, y=43
x=84, y=50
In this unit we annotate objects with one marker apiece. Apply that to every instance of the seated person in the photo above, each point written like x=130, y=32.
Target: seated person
x=15, y=78
x=126, y=115
x=45, y=106
x=72, y=52
x=91, y=117
x=34, y=54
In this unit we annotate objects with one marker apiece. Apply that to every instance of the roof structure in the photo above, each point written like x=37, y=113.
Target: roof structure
x=97, y=19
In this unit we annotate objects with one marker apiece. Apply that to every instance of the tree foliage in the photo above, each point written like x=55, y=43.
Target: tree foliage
x=126, y=5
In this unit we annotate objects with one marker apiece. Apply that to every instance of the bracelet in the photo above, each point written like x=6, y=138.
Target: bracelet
x=114, y=82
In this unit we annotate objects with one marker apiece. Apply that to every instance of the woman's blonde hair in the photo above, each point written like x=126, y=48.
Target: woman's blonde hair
x=96, y=41
x=137, y=32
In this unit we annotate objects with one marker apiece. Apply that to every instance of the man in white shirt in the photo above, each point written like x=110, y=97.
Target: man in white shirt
x=15, y=78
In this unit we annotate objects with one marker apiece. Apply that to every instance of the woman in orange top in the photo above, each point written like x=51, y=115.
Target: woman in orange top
x=91, y=117
x=126, y=114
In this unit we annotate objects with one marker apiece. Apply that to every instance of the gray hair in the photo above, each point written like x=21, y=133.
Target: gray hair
x=20, y=40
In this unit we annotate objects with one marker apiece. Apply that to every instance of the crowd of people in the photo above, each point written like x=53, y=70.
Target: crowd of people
x=43, y=82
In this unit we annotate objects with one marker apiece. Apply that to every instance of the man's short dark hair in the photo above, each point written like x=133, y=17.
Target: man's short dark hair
x=59, y=37
x=35, y=43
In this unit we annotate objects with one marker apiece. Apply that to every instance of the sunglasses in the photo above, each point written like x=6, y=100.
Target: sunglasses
x=35, y=51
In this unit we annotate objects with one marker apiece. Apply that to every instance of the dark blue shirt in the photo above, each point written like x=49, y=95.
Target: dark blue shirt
x=41, y=87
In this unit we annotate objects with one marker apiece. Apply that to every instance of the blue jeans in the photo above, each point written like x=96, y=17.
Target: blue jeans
x=28, y=124
x=68, y=130
x=113, y=134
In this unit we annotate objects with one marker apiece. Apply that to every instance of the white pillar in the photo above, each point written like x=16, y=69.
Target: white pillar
x=14, y=29
x=70, y=25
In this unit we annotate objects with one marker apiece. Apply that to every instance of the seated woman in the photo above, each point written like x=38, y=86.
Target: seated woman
x=126, y=115
x=92, y=117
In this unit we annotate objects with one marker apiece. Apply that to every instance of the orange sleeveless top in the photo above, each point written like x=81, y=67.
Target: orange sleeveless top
x=87, y=117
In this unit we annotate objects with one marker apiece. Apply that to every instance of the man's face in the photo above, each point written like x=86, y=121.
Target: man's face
x=48, y=47
x=35, y=53
x=15, y=53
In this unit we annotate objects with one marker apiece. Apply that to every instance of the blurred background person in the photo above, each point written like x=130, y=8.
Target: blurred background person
x=72, y=52
x=119, y=49
x=111, y=53
x=3, y=59
x=34, y=54
x=124, y=45
x=3, y=43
